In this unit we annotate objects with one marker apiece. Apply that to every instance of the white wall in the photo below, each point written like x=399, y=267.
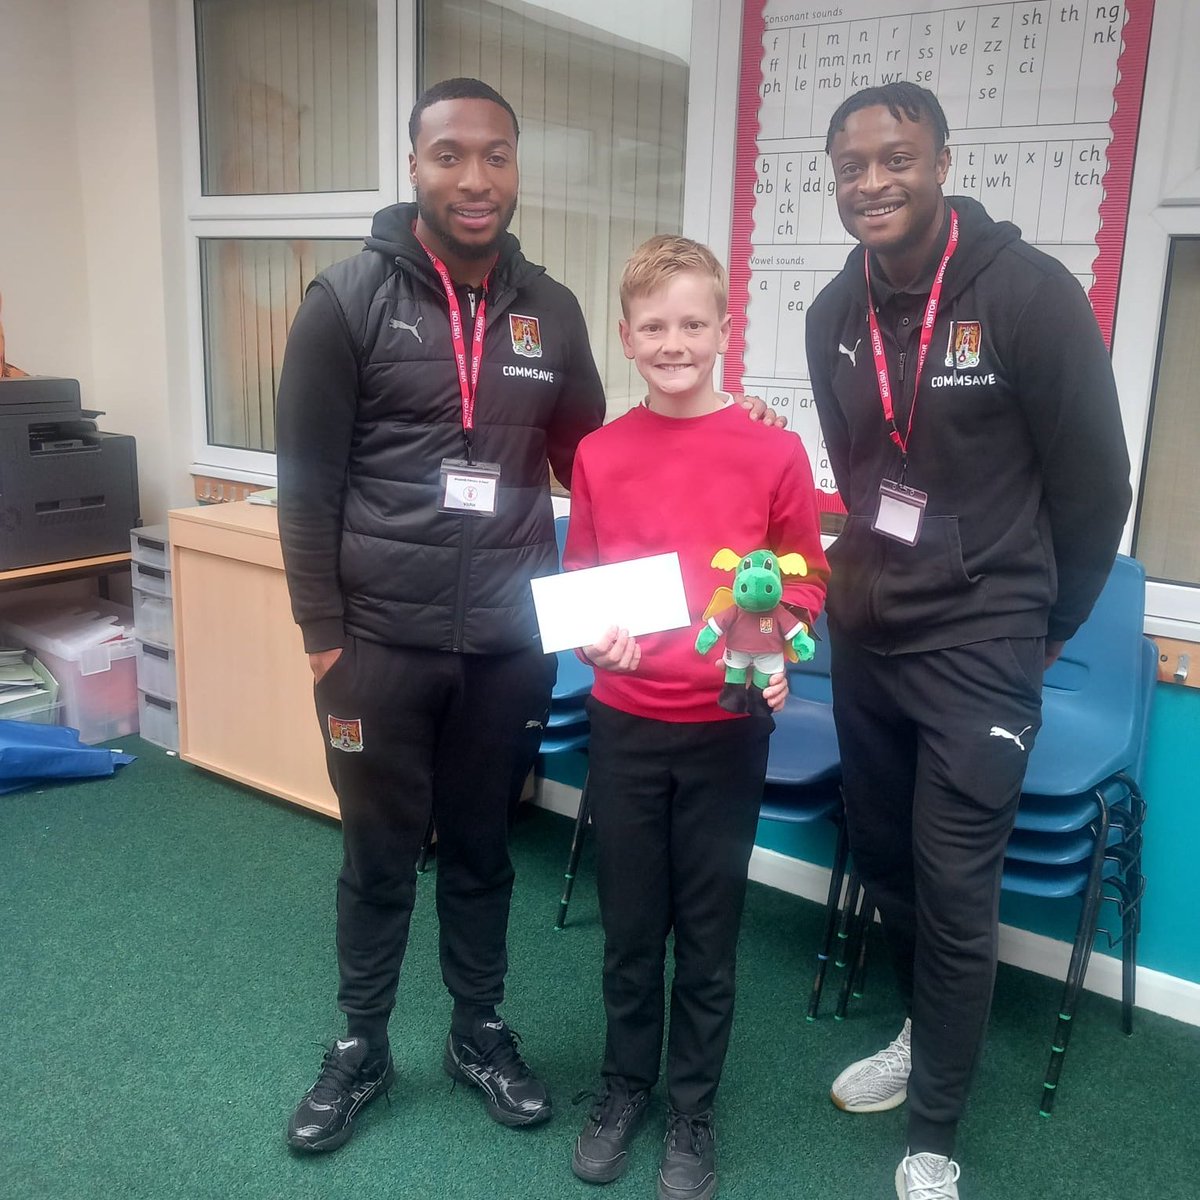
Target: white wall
x=43, y=268
x=90, y=264
x=120, y=110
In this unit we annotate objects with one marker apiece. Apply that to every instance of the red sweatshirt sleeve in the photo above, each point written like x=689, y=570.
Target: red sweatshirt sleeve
x=796, y=528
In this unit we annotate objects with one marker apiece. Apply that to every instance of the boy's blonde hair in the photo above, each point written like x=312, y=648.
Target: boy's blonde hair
x=664, y=256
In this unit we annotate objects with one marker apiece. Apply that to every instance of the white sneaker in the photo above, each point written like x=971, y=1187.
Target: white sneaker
x=877, y=1083
x=927, y=1177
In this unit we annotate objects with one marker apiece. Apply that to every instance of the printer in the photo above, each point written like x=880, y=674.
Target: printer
x=66, y=490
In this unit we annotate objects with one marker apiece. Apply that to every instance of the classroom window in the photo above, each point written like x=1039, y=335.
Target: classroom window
x=251, y=289
x=288, y=96
x=300, y=134
x=601, y=92
x=1169, y=505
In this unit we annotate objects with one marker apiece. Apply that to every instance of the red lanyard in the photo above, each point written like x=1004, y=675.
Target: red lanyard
x=881, y=367
x=468, y=379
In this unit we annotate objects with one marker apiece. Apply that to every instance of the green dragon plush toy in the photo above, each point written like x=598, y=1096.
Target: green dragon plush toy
x=757, y=626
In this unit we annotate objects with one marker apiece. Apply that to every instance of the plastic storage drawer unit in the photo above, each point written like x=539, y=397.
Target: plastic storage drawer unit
x=149, y=546
x=152, y=618
x=154, y=581
x=159, y=719
x=156, y=669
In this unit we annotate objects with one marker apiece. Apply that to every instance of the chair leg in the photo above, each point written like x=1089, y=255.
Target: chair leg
x=837, y=877
x=581, y=822
x=426, y=847
x=857, y=979
x=853, y=895
x=861, y=913
x=1081, y=954
x=1132, y=917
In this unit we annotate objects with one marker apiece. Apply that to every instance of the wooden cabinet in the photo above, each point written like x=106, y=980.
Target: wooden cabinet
x=245, y=688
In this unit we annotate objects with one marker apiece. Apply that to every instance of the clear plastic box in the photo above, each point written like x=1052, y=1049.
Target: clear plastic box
x=156, y=669
x=154, y=581
x=152, y=618
x=91, y=652
x=159, y=719
x=149, y=545
x=47, y=714
x=37, y=710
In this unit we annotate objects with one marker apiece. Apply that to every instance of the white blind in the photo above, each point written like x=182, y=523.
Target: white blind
x=1169, y=515
x=288, y=96
x=251, y=289
x=603, y=123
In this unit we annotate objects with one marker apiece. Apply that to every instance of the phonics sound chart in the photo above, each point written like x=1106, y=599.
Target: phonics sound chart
x=1042, y=99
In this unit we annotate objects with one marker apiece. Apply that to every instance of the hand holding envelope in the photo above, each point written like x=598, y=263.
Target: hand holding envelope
x=579, y=608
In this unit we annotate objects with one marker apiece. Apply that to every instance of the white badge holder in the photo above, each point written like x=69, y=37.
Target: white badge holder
x=901, y=512
x=468, y=487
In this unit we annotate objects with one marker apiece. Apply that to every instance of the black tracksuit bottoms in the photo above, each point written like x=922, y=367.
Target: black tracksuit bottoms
x=675, y=809
x=934, y=746
x=452, y=735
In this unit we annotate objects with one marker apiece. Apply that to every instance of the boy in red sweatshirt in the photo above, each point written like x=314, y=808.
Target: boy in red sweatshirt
x=676, y=779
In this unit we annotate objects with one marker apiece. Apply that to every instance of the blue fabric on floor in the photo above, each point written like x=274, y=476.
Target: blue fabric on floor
x=31, y=754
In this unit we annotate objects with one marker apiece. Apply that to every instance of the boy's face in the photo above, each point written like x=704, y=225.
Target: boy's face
x=674, y=334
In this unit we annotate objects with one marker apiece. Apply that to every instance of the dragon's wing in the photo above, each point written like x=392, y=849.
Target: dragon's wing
x=722, y=599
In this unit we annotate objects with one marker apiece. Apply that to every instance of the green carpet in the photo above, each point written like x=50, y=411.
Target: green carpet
x=168, y=974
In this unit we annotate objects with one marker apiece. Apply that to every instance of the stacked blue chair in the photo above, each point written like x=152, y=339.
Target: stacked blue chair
x=1079, y=823
x=567, y=732
x=804, y=779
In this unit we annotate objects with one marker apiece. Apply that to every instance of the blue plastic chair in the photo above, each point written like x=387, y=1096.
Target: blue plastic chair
x=568, y=733
x=804, y=778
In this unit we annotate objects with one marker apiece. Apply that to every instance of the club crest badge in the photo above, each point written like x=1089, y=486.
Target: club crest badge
x=346, y=735
x=962, y=353
x=526, y=336
x=766, y=624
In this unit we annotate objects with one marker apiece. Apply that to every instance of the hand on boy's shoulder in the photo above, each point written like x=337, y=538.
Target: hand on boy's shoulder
x=759, y=410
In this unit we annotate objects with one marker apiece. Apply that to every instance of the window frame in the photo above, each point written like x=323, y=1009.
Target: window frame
x=306, y=215
x=1164, y=204
x=348, y=214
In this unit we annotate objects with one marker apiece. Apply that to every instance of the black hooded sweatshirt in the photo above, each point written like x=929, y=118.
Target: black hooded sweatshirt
x=369, y=406
x=1016, y=439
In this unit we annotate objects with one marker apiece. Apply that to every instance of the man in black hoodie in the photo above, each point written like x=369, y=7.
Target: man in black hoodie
x=412, y=521
x=968, y=404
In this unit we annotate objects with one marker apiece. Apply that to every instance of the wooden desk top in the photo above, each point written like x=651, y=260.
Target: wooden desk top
x=238, y=530
x=101, y=564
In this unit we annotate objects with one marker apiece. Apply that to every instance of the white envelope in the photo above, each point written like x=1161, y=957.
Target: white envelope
x=643, y=595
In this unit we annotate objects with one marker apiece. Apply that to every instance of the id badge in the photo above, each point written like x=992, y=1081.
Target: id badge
x=901, y=512
x=469, y=487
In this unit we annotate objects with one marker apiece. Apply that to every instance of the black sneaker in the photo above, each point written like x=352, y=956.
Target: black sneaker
x=688, y=1170
x=490, y=1061
x=323, y=1118
x=602, y=1148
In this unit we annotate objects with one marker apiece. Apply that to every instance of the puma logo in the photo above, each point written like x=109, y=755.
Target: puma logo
x=395, y=324
x=996, y=731
x=850, y=354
